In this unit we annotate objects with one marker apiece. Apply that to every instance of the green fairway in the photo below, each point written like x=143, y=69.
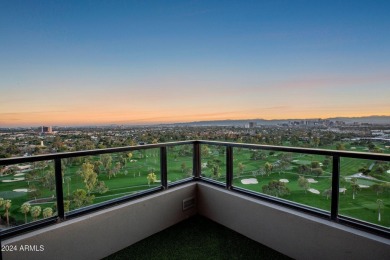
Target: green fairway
x=363, y=207
x=121, y=174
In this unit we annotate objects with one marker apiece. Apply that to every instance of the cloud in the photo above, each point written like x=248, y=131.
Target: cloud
x=31, y=113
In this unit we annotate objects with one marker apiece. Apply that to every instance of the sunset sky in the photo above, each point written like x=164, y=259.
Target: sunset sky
x=140, y=62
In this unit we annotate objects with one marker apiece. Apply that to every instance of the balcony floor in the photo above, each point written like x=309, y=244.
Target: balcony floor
x=197, y=238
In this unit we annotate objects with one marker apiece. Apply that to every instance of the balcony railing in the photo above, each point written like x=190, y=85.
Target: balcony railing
x=234, y=166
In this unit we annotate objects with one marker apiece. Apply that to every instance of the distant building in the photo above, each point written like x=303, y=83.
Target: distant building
x=340, y=123
x=250, y=125
x=46, y=130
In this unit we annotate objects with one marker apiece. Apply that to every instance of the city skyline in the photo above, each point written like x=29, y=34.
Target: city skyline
x=137, y=62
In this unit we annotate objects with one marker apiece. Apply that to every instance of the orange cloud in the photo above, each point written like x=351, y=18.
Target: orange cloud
x=199, y=100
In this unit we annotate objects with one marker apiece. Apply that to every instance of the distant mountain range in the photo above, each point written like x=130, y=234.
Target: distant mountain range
x=364, y=119
x=381, y=120
x=228, y=122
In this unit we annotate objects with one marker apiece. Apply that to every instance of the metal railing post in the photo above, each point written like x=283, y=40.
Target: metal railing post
x=335, y=187
x=229, y=167
x=164, y=167
x=196, y=161
x=197, y=156
x=59, y=189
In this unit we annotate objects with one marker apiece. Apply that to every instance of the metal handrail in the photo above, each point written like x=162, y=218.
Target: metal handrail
x=336, y=155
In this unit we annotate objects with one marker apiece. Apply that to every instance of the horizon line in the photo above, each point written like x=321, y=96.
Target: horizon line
x=140, y=124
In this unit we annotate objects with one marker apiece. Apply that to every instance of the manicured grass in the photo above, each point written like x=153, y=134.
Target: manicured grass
x=132, y=178
x=363, y=207
x=197, y=238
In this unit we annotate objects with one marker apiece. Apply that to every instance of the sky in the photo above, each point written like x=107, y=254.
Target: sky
x=81, y=62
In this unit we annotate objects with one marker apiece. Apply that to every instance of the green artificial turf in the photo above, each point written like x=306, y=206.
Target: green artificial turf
x=197, y=238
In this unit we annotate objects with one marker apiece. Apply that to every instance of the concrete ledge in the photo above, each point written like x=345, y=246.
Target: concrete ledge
x=102, y=233
x=290, y=232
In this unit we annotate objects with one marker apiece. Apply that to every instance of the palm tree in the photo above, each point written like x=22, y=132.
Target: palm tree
x=205, y=150
x=276, y=188
x=47, y=212
x=151, y=178
x=327, y=193
x=189, y=172
x=67, y=180
x=7, y=205
x=35, y=212
x=380, y=205
x=101, y=187
x=118, y=167
x=303, y=183
x=241, y=167
x=1, y=204
x=123, y=160
x=183, y=166
x=90, y=177
x=25, y=208
x=268, y=168
x=355, y=187
x=66, y=205
x=81, y=198
x=106, y=160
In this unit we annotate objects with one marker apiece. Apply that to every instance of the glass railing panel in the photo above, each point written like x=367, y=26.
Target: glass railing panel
x=179, y=162
x=27, y=193
x=90, y=180
x=213, y=162
x=365, y=190
x=301, y=178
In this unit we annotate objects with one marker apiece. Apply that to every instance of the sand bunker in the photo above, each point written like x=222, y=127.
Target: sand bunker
x=249, y=181
x=314, y=191
x=23, y=167
x=15, y=179
x=342, y=190
x=21, y=190
x=363, y=186
x=311, y=180
x=360, y=175
x=19, y=174
x=284, y=180
x=388, y=171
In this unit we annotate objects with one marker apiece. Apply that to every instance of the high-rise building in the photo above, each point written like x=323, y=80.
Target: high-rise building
x=252, y=124
x=46, y=129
